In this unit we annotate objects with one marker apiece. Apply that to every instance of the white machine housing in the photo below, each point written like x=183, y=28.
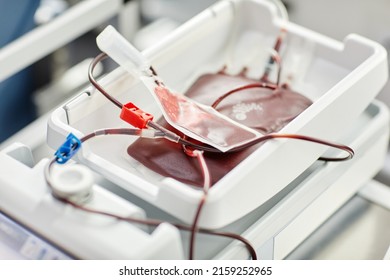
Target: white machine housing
x=275, y=228
x=26, y=198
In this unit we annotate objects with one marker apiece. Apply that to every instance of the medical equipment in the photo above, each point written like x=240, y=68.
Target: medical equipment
x=333, y=74
x=275, y=228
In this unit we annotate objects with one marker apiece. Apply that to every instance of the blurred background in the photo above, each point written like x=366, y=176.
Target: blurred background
x=59, y=71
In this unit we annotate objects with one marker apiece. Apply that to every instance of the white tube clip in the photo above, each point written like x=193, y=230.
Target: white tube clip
x=111, y=42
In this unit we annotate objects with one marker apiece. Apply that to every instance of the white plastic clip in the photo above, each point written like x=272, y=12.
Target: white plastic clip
x=122, y=52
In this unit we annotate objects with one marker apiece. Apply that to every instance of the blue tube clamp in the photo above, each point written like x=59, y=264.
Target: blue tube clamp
x=68, y=149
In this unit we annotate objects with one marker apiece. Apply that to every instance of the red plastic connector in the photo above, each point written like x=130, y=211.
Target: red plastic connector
x=135, y=116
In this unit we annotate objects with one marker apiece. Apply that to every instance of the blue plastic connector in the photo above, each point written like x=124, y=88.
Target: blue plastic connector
x=68, y=149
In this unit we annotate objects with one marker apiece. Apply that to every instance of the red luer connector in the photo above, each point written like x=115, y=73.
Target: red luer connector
x=135, y=116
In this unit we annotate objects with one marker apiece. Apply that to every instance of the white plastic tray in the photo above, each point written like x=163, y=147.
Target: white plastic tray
x=340, y=77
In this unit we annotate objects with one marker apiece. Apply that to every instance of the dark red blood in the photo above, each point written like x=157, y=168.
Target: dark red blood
x=263, y=109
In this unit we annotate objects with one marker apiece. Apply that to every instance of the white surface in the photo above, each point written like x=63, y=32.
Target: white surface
x=387, y=256
x=334, y=75
x=8, y=254
x=359, y=230
x=377, y=193
x=362, y=16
